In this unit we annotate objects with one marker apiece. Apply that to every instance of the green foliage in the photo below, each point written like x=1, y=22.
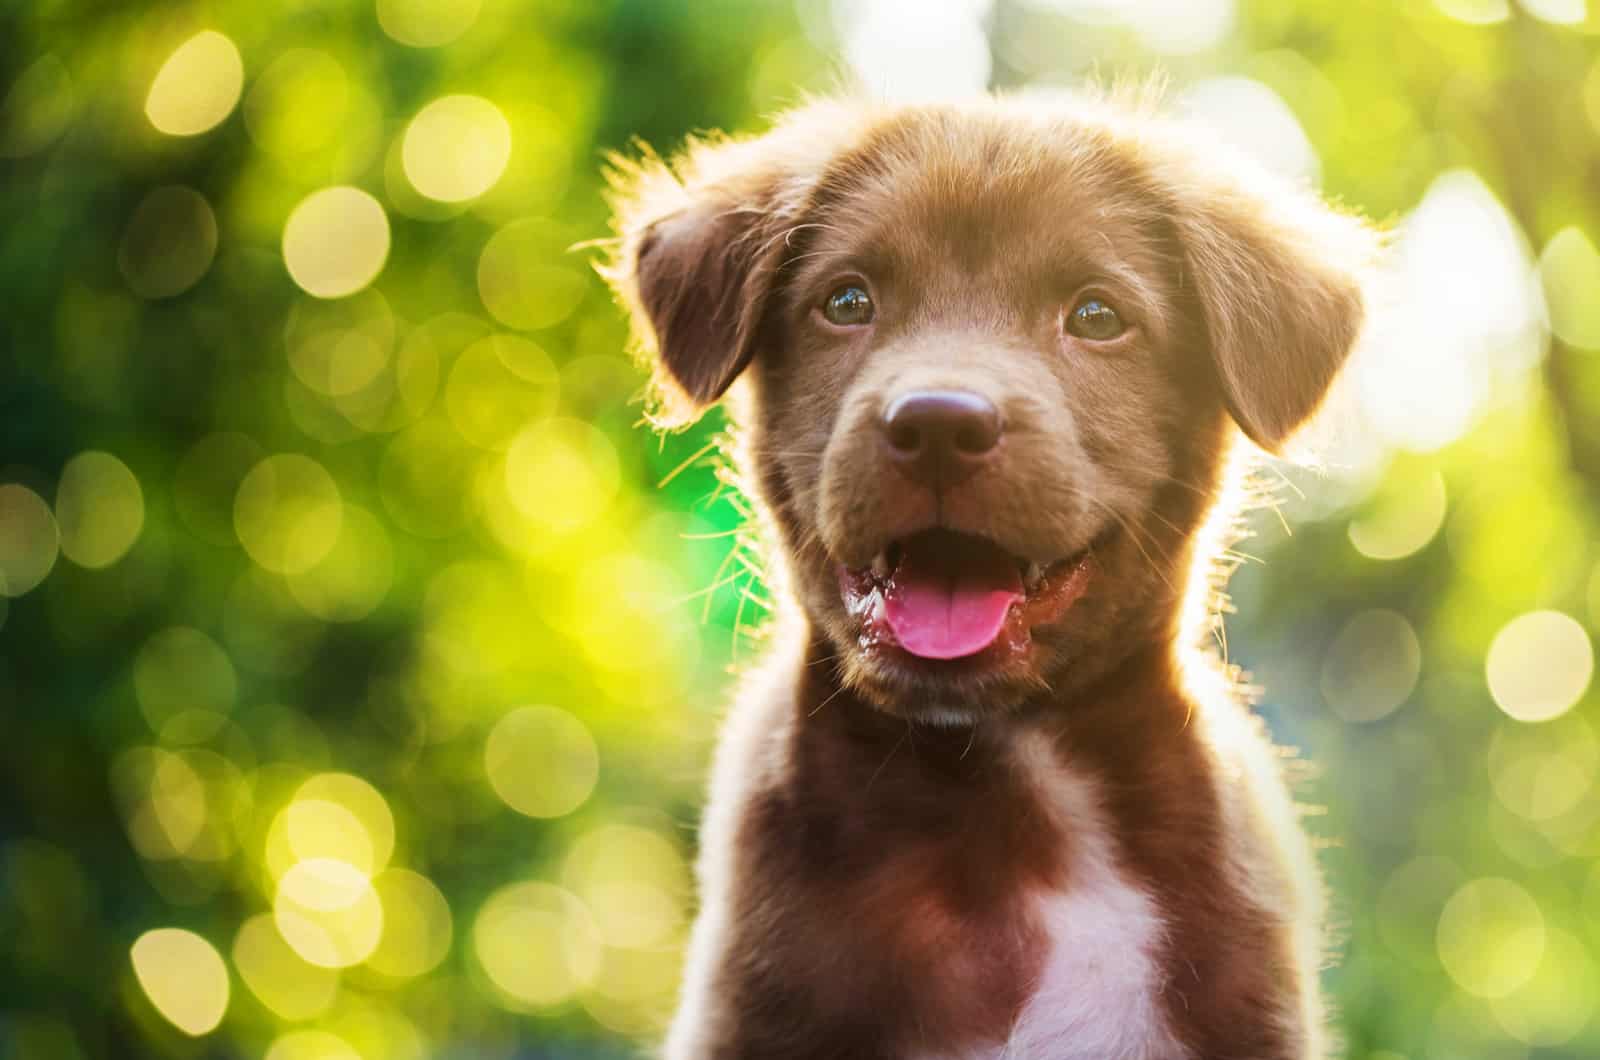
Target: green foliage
x=352, y=623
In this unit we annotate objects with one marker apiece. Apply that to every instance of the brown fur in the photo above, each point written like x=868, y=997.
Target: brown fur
x=867, y=870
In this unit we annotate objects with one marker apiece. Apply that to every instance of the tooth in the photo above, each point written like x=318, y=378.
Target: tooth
x=1033, y=576
x=880, y=564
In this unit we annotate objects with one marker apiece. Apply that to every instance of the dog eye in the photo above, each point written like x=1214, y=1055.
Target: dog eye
x=848, y=306
x=1094, y=319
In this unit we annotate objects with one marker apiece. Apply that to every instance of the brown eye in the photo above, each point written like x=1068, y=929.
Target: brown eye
x=848, y=306
x=1095, y=320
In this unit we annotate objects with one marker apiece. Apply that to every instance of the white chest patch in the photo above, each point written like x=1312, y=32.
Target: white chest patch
x=1098, y=997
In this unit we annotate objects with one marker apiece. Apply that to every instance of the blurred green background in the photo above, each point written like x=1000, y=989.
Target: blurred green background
x=360, y=652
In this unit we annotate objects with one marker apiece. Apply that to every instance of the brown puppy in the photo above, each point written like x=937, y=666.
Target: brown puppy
x=984, y=800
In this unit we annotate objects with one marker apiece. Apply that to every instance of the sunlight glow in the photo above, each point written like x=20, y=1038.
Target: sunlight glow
x=906, y=51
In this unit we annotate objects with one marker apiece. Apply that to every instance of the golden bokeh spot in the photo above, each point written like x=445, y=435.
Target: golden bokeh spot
x=1539, y=665
x=332, y=816
x=298, y=103
x=456, y=148
x=287, y=513
x=29, y=539
x=1408, y=909
x=183, y=976
x=418, y=925
x=351, y=581
x=1405, y=515
x=328, y=913
x=99, y=509
x=287, y=985
x=312, y=1045
x=536, y=943
x=1491, y=937
x=1372, y=666
x=1557, y=1002
x=562, y=474
x=181, y=669
x=541, y=761
x=1570, y=271
x=336, y=241
x=524, y=279
x=169, y=243
x=426, y=23
x=634, y=882
x=498, y=385
x=197, y=86
x=37, y=109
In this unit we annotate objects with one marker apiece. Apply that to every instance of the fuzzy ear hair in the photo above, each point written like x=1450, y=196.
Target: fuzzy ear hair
x=701, y=242
x=1280, y=279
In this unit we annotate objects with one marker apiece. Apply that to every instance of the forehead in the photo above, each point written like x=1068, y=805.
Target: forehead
x=979, y=193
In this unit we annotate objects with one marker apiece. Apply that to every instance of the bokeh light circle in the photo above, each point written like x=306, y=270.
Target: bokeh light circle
x=312, y=1045
x=287, y=513
x=1491, y=937
x=279, y=978
x=523, y=277
x=29, y=539
x=427, y=23
x=336, y=241
x=1401, y=524
x=328, y=912
x=456, y=148
x=498, y=385
x=169, y=243
x=1539, y=665
x=418, y=926
x=183, y=976
x=562, y=474
x=99, y=509
x=537, y=944
x=541, y=761
x=633, y=880
x=197, y=87
x=352, y=579
x=1371, y=666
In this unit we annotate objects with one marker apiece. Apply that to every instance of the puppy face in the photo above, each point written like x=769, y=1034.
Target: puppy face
x=994, y=354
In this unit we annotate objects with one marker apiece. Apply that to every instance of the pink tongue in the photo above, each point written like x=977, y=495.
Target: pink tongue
x=945, y=605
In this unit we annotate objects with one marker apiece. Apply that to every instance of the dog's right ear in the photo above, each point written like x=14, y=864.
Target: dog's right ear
x=701, y=243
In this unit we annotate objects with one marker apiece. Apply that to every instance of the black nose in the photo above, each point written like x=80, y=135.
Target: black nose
x=940, y=437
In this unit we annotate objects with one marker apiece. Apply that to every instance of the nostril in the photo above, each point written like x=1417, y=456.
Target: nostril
x=975, y=438
x=904, y=436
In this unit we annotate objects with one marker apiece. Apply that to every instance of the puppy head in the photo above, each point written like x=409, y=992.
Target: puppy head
x=993, y=356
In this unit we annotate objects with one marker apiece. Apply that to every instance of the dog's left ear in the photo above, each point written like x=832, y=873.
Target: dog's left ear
x=1280, y=279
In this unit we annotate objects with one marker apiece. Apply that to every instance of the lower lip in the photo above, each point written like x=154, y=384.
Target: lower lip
x=1062, y=586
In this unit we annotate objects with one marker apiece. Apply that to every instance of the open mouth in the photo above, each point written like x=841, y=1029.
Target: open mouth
x=940, y=594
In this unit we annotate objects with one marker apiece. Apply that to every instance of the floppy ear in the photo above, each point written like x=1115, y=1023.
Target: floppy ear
x=1279, y=278
x=701, y=243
